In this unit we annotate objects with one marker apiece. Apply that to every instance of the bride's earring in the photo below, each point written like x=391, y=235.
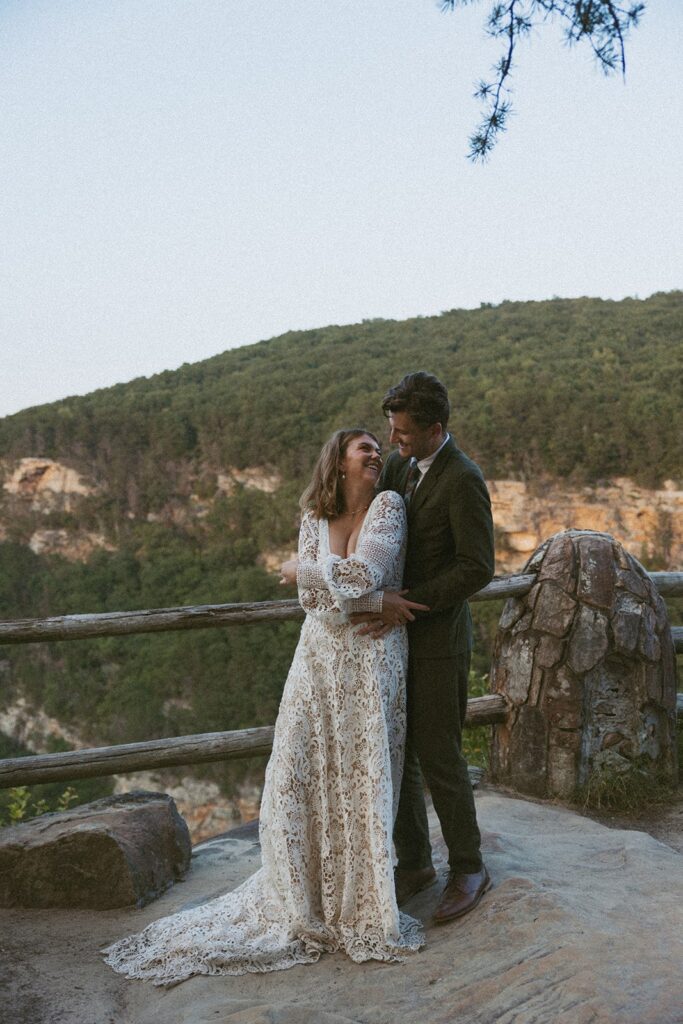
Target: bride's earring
x=343, y=476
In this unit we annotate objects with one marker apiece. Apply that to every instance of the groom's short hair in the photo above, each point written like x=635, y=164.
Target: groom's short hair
x=422, y=396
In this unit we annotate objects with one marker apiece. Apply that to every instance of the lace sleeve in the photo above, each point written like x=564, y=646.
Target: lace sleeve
x=314, y=593
x=378, y=562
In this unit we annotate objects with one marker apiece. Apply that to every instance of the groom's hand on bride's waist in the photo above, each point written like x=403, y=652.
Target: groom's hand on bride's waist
x=396, y=611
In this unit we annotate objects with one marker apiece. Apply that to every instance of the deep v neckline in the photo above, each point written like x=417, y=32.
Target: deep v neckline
x=326, y=533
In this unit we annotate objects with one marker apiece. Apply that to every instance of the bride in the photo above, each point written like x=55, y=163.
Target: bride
x=332, y=782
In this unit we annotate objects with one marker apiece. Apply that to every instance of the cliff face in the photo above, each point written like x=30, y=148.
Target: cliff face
x=33, y=728
x=34, y=491
x=46, y=485
x=37, y=491
x=649, y=523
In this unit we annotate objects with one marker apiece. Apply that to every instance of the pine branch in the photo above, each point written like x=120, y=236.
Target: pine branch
x=604, y=24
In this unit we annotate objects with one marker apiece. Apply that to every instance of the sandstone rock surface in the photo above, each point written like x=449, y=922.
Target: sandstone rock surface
x=582, y=927
x=255, y=477
x=33, y=727
x=646, y=521
x=46, y=485
x=76, y=545
x=115, y=852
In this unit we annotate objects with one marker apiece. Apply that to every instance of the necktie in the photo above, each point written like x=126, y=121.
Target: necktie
x=412, y=480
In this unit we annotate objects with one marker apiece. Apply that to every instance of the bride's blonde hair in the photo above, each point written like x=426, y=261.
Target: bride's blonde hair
x=324, y=494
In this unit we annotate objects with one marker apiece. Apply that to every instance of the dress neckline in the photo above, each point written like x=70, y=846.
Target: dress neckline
x=326, y=532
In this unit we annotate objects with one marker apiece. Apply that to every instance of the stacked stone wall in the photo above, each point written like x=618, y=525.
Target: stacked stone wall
x=587, y=663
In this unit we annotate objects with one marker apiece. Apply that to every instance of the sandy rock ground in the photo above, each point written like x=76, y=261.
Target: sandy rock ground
x=664, y=822
x=583, y=926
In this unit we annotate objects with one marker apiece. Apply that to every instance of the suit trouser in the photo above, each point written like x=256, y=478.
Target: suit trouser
x=437, y=702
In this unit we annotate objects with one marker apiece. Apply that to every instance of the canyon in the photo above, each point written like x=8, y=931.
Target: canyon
x=46, y=496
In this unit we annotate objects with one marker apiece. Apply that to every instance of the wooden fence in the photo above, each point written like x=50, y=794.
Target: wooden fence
x=218, y=746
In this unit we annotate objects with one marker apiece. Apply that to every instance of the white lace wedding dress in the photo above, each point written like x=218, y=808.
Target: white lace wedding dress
x=330, y=795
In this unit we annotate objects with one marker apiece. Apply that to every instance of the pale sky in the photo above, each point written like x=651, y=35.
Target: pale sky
x=179, y=178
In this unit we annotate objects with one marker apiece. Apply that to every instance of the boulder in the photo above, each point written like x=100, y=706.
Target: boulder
x=119, y=851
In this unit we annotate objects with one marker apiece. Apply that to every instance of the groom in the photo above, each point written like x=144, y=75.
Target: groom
x=450, y=557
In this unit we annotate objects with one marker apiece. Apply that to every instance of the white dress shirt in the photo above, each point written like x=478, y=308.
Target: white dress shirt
x=424, y=464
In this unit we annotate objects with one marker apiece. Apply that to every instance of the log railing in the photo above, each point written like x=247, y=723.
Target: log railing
x=218, y=746
x=178, y=750
x=158, y=620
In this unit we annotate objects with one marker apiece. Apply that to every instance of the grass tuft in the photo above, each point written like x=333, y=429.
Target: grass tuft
x=624, y=787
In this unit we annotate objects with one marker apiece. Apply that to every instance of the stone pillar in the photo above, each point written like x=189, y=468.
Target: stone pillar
x=586, y=661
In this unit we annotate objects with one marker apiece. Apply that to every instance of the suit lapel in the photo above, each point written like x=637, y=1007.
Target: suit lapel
x=431, y=478
x=395, y=475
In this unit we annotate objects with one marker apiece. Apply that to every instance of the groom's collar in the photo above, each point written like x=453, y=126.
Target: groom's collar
x=424, y=464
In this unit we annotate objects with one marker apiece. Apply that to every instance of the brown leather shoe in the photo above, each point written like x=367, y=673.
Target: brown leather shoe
x=462, y=893
x=408, y=883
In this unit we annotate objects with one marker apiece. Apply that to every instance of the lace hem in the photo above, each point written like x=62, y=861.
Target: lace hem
x=123, y=958
x=135, y=958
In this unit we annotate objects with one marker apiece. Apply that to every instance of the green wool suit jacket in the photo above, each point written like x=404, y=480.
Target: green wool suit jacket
x=450, y=548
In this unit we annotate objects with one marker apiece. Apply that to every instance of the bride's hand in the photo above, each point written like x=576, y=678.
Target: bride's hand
x=288, y=571
x=375, y=629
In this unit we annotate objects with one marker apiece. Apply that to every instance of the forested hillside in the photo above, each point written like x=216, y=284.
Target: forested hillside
x=579, y=389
